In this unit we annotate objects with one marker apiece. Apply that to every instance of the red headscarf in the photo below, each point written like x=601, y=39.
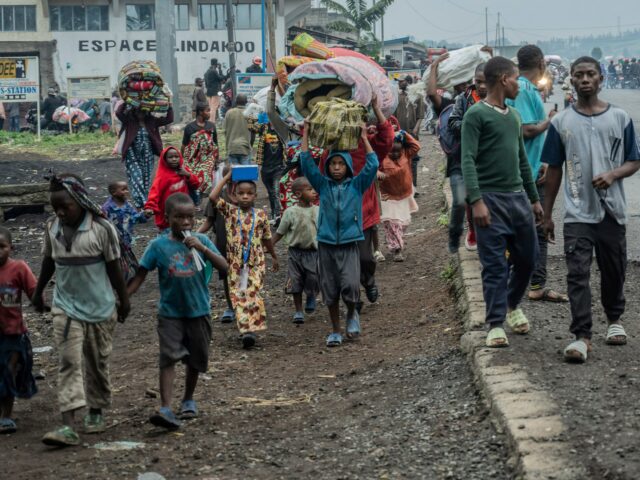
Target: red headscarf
x=167, y=182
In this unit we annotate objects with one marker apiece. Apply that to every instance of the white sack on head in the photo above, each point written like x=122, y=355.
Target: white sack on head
x=459, y=67
x=261, y=97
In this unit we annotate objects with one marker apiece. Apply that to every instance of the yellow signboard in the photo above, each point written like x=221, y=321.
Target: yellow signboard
x=13, y=68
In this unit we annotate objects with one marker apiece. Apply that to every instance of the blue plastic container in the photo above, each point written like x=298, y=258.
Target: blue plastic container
x=245, y=173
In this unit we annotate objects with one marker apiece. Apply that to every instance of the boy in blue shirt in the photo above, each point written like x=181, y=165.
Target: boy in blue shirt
x=340, y=229
x=184, y=325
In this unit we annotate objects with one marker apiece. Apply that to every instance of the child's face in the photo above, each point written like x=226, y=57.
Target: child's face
x=481, y=84
x=181, y=218
x=66, y=209
x=306, y=194
x=5, y=249
x=121, y=192
x=586, y=79
x=246, y=195
x=396, y=151
x=173, y=159
x=337, y=168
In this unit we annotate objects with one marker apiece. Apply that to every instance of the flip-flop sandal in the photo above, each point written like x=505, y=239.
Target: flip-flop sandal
x=310, y=305
x=616, y=330
x=7, y=426
x=353, y=325
x=64, y=436
x=228, y=316
x=549, y=295
x=518, y=322
x=298, y=318
x=165, y=418
x=334, y=340
x=497, y=338
x=189, y=410
x=576, y=352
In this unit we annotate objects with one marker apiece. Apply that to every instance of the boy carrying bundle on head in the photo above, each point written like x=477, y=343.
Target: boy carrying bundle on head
x=503, y=197
x=299, y=227
x=340, y=229
x=184, y=326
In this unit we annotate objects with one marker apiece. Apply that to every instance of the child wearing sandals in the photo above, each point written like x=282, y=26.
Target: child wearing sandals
x=340, y=230
x=299, y=228
x=184, y=326
x=16, y=357
x=248, y=236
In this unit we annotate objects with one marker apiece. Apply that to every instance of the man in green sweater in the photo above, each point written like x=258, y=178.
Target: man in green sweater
x=504, y=199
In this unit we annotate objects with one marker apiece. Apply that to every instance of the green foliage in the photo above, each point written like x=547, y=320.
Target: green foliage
x=358, y=16
x=443, y=219
x=448, y=273
x=596, y=53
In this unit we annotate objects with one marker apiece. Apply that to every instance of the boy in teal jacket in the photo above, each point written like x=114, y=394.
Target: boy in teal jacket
x=339, y=230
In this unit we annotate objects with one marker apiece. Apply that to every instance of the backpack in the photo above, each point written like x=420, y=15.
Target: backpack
x=448, y=141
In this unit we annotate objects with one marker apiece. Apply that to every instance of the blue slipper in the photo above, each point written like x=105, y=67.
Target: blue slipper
x=310, y=305
x=165, y=418
x=353, y=325
x=7, y=426
x=189, y=410
x=298, y=318
x=228, y=316
x=334, y=340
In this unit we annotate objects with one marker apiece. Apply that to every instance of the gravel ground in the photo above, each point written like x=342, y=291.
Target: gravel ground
x=599, y=399
x=398, y=403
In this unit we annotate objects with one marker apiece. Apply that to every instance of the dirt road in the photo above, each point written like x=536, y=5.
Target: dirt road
x=398, y=403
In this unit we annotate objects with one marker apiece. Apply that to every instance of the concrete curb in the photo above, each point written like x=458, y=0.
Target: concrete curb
x=524, y=412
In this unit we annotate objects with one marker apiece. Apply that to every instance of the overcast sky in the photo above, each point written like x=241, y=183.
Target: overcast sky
x=463, y=20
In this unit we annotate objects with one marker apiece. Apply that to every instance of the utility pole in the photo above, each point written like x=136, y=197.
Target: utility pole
x=231, y=47
x=502, y=42
x=272, y=31
x=382, y=37
x=486, y=26
x=166, y=49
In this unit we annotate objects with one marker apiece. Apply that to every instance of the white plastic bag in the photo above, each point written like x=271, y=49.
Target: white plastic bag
x=459, y=67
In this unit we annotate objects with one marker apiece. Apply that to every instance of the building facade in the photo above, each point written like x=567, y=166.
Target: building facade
x=77, y=38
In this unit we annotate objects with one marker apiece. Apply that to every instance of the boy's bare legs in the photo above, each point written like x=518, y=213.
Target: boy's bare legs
x=297, y=301
x=334, y=314
x=190, y=382
x=167, y=376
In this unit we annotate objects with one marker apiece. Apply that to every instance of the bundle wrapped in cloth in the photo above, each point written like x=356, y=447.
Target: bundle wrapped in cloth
x=348, y=78
x=307, y=46
x=142, y=87
x=64, y=114
x=459, y=67
x=336, y=124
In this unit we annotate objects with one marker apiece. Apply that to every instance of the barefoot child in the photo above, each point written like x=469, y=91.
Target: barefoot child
x=299, y=227
x=16, y=358
x=172, y=177
x=340, y=229
x=214, y=220
x=248, y=235
x=82, y=248
x=184, y=324
x=121, y=213
x=396, y=190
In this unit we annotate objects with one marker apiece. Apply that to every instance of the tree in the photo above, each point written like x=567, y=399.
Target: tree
x=358, y=18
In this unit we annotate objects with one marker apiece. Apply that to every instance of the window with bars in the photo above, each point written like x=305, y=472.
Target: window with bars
x=76, y=18
x=141, y=17
x=18, y=18
x=213, y=16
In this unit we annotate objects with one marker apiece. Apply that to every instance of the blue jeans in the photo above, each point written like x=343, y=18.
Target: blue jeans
x=14, y=124
x=240, y=159
x=456, y=219
x=512, y=228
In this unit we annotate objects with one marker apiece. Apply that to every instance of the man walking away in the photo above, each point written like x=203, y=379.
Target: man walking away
x=14, y=117
x=213, y=79
x=198, y=97
x=597, y=145
x=237, y=134
x=534, y=128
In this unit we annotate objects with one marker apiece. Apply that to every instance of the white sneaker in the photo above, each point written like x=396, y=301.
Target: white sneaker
x=378, y=256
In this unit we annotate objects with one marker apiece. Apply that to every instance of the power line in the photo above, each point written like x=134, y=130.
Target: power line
x=417, y=12
x=465, y=9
